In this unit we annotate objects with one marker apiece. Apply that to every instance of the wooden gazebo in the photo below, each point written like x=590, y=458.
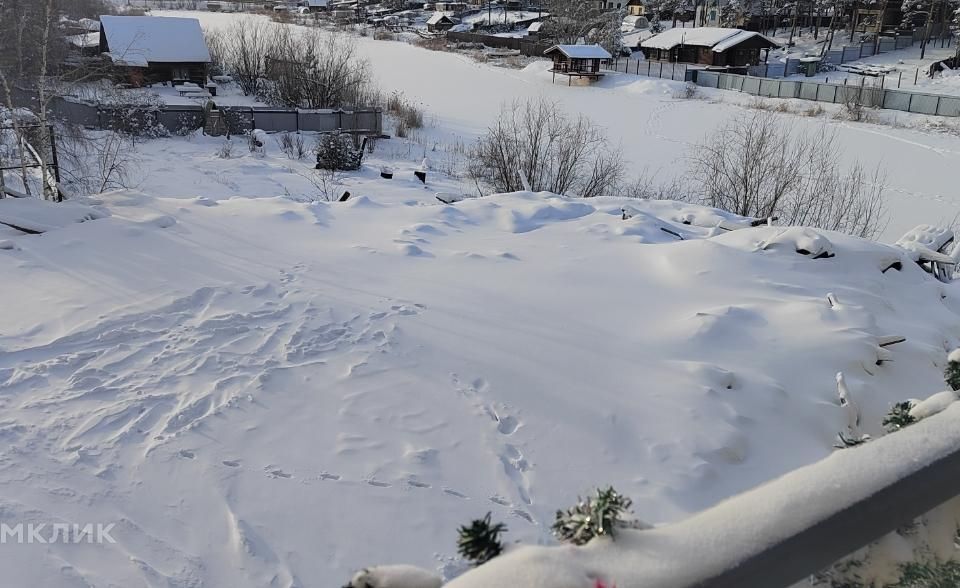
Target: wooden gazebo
x=580, y=61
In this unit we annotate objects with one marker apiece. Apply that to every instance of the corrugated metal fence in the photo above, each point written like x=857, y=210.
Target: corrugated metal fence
x=180, y=119
x=921, y=103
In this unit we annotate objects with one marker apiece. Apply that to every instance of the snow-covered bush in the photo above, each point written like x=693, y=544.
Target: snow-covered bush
x=553, y=151
x=594, y=516
x=899, y=416
x=336, y=151
x=952, y=373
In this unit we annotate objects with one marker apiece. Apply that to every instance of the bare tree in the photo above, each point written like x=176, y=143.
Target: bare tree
x=536, y=142
x=759, y=166
x=315, y=69
x=241, y=49
x=573, y=21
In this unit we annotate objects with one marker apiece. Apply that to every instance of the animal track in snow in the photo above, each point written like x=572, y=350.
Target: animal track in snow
x=231, y=463
x=453, y=492
x=277, y=473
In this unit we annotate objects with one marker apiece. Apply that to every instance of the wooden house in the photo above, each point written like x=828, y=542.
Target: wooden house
x=313, y=5
x=578, y=61
x=708, y=46
x=153, y=49
x=636, y=8
x=440, y=22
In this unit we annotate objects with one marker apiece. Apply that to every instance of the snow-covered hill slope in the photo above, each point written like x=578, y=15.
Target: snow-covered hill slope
x=260, y=392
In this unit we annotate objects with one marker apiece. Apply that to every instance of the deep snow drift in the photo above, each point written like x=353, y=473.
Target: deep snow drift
x=265, y=392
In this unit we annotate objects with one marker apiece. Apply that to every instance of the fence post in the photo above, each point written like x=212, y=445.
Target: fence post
x=649, y=65
x=899, y=77
x=661, y=70
x=638, y=67
x=910, y=103
x=937, y=109
x=916, y=75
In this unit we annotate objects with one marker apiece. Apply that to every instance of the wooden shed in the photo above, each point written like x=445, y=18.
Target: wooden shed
x=577, y=61
x=151, y=49
x=708, y=46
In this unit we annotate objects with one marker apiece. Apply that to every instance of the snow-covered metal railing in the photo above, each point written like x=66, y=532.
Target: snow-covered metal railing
x=772, y=536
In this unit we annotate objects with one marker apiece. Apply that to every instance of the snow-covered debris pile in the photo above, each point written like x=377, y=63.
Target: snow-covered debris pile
x=286, y=376
x=926, y=240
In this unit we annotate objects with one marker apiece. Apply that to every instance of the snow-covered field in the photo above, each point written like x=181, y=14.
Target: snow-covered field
x=262, y=391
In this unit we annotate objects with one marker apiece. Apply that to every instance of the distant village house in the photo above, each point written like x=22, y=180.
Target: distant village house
x=708, y=46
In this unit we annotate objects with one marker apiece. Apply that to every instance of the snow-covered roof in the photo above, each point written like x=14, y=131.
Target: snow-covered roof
x=737, y=39
x=137, y=40
x=439, y=17
x=580, y=51
x=535, y=27
x=84, y=41
x=314, y=3
x=720, y=39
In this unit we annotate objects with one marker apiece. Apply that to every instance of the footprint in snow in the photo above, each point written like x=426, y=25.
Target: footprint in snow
x=329, y=476
x=231, y=463
x=417, y=484
x=378, y=484
x=187, y=454
x=453, y=492
x=278, y=473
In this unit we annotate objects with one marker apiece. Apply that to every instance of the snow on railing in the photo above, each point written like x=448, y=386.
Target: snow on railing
x=772, y=536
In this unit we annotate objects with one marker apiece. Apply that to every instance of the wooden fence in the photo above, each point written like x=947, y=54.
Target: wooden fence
x=524, y=46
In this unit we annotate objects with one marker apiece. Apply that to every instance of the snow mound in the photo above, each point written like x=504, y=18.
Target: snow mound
x=41, y=216
x=269, y=368
x=395, y=576
x=934, y=404
x=802, y=240
x=537, y=210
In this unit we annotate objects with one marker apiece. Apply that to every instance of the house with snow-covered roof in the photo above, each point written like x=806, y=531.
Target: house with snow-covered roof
x=440, y=22
x=578, y=61
x=152, y=49
x=708, y=45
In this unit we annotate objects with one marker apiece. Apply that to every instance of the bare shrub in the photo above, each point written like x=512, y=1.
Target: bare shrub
x=241, y=49
x=649, y=186
x=758, y=166
x=688, y=92
x=95, y=161
x=292, y=145
x=857, y=98
x=813, y=111
x=327, y=183
x=408, y=115
x=433, y=44
x=553, y=151
x=226, y=150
